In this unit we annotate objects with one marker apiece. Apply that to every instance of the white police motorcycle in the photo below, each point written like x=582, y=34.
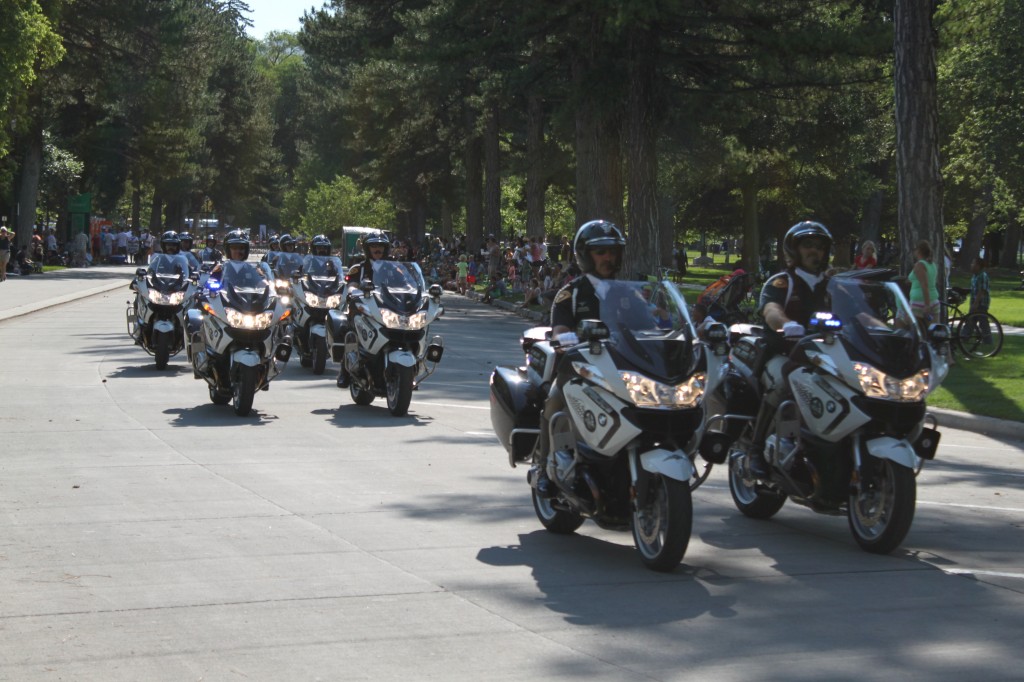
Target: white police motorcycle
x=155, y=319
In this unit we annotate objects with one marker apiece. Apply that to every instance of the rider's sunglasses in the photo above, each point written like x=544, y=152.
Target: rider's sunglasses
x=814, y=244
x=603, y=251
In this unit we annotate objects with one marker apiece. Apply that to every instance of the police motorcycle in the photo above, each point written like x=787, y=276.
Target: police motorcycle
x=237, y=338
x=155, y=319
x=382, y=341
x=842, y=421
x=318, y=289
x=623, y=450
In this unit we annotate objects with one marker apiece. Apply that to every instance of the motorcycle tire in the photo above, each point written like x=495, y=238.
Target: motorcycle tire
x=162, y=349
x=319, y=355
x=218, y=398
x=753, y=499
x=662, y=524
x=306, y=360
x=398, y=383
x=881, y=513
x=359, y=396
x=555, y=519
x=244, y=390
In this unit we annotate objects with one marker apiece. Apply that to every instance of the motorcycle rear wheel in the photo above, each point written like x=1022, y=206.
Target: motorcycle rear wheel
x=359, y=396
x=161, y=349
x=555, y=520
x=319, y=355
x=881, y=514
x=751, y=497
x=218, y=398
x=662, y=526
x=244, y=390
x=398, y=382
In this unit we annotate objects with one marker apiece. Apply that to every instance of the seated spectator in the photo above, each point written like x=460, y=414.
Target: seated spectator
x=496, y=288
x=533, y=294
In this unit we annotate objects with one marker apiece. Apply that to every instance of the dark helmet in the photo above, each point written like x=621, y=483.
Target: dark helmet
x=170, y=242
x=595, y=234
x=801, y=231
x=378, y=239
x=287, y=242
x=275, y=242
x=186, y=240
x=237, y=238
x=211, y=240
x=320, y=246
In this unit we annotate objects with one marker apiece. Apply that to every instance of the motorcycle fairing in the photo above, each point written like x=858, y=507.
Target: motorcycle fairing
x=249, y=358
x=826, y=405
x=896, y=450
x=672, y=463
x=401, y=357
x=166, y=326
x=596, y=415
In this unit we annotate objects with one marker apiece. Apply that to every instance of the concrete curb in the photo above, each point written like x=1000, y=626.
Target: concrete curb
x=988, y=426
x=36, y=306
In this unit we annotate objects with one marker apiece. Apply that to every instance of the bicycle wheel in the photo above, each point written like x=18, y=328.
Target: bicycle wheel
x=979, y=335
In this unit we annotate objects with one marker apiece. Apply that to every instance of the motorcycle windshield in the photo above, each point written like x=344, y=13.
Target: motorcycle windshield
x=399, y=286
x=323, y=275
x=649, y=328
x=168, y=273
x=244, y=287
x=878, y=326
x=287, y=264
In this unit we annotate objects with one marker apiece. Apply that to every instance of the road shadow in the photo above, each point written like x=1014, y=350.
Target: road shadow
x=210, y=415
x=149, y=371
x=375, y=415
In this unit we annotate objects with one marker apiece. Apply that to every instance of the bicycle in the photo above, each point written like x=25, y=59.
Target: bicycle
x=977, y=334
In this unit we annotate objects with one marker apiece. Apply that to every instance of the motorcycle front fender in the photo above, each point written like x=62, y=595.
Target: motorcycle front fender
x=899, y=451
x=402, y=357
x=249, y=358
x=318, y=330
x=166, y=326
x=671, y=463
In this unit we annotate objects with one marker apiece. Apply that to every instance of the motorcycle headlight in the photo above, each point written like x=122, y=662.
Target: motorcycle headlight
x=314, y=301
x=243, y=321
x=877, y=384
x=160, y=298
x=393, y=320
x=646, y=392
x=282, y=286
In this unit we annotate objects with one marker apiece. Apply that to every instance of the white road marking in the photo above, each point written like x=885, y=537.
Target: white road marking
x=971, y=506
x=971, y=571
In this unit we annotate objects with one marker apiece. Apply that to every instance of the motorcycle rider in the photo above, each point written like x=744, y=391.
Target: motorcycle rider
x=236, y=246
x=186, y=249
x=320, y=246
x=287, y=243
x=598, y=247
x=788, y=301
x=210, y=253
x=376, y=247
x=170, y=243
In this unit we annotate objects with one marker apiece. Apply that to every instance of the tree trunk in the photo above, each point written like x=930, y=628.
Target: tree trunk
x=28, y=187
x=1011, y=246
x=918, y=178
x=156, y=209
x=492, y=175
x=599, y=185
x=536, y=167
x=447, y=231
x=871, y=222
x=642, y=165
x=751, y=226
x=136, y=207
x=971, y=246
x=473, y=160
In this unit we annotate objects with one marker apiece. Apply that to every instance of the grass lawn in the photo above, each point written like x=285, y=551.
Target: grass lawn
x=993, y=387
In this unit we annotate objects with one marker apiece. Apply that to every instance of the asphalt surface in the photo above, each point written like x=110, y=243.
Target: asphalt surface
x=146, y=534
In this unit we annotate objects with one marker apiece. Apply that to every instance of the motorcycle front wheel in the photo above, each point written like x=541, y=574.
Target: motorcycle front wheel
x=662, y=523
x=398, y=380
x=319, y=355
x=244, y=390
x=218, y=398
x=556, y=519
x=162, y=349
x=752, y=498
x=881, y=513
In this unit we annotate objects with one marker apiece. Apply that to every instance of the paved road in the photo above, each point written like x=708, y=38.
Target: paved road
x=149, y=535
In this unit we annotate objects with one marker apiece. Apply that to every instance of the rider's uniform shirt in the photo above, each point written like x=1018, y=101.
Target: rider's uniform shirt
x=576, y=301
x=798, y=299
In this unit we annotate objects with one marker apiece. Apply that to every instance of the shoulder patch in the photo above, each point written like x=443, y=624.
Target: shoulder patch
x=563, y=295
x=780, y=282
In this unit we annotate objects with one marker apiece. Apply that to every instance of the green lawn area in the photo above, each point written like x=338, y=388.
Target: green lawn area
x=993, y=387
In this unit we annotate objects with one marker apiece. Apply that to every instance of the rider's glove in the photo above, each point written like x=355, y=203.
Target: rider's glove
x=567, y=339
x=792, y=329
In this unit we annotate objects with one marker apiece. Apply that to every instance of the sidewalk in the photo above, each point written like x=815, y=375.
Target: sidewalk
x=23, y=295
x=988, y=426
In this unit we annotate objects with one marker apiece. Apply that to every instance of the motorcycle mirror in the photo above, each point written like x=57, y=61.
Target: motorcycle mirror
x=140, y=272
x=366, y=286
x=435, y=290
x=938, y=333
